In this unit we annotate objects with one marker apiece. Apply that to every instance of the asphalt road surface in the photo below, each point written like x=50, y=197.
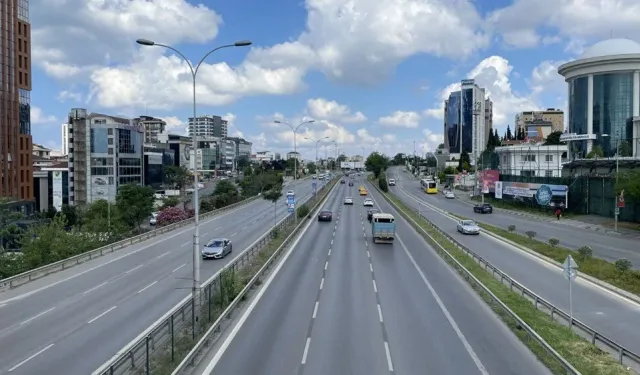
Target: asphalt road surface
x=607, y=313
x=343, y=305
x=71, y=322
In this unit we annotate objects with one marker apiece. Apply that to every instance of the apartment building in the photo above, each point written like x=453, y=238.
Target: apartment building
x=16, y=168
x=208, y=126
x=152, y=127
x=555, y=117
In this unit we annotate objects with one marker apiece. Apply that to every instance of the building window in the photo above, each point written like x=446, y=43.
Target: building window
x=25, y=111
x=548, y=158
x=110, y=151
x=612, y=107
x=528, y=158
x=98, y=140
x=548, y=173
x=110, y=131
x=578, y=111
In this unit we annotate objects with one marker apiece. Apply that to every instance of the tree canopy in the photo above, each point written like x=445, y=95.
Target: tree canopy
x=135, y=204
x=376, y=163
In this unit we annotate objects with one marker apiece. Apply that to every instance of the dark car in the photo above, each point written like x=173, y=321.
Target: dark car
x=342, y=181
x=350, y=183
x=325, y=216
x=484, y=208
x=370, y=213
x=217, y=248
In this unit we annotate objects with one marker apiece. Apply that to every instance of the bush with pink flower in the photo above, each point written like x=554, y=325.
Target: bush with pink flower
x=172, y=215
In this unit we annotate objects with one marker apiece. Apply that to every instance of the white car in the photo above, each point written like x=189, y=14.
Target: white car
x=368, y=202
x=348, y=200
x=153, y=219
x=468, y=227
x=290, y=193
x=392, y=182
x=449, y=195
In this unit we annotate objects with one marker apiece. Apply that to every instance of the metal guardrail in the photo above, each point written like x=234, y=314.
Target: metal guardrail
x=531, y=333
x=35, y=274
x=177, y=329
x=624, y=356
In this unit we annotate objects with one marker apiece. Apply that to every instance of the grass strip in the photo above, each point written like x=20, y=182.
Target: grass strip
x=584, y=356
x=618, y=274
x=219, y=297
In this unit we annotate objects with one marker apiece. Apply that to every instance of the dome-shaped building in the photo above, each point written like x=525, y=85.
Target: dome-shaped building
x=604, y=98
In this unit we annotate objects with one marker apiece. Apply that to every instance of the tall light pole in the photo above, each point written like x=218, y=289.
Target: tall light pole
x=317, y=141
x=196, y=206
x=477, y=108
x=335, y=160
x=295, y=147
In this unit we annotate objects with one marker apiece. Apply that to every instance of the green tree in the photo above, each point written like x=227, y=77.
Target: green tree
x=311, y=167
x=465, y=161
x=9, y=232
x=259, y=182
x=135, y=203
x=273, y=195
x=105, y=220
x=399, y=159
x=177, y=176
x=169, y=202
x=341, y=158
x=376, y=163
x=441, y=146
x=624, y=149
x=72, y=215
x=553, y=139
x=382, y=182
x=509, y=135
x=630, y=183
x=242, y=162
x=596, y=152
x=225, y=193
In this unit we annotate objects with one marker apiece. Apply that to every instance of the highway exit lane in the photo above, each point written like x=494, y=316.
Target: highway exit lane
x=342, y=305
x=606, y=312
x=606, y=246
x=108, y=316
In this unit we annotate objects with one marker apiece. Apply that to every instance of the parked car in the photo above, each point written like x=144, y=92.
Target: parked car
x=483, y=208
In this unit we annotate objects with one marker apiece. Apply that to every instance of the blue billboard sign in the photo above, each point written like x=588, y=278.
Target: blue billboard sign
x=291, y=203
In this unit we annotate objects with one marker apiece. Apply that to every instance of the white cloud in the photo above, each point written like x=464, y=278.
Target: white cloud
x=545, y=77
x=38, y=117
x=175, y=125
x=520, y=23
x=64, y=96
x=403, y=119
x=324, y=109
x=232, y=127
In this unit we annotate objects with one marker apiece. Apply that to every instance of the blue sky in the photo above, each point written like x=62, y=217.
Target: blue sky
x=372, y=74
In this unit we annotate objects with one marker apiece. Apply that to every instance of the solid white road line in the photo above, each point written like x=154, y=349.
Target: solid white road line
x=163, y=254
x=177, y=268
x=101, y=315
x=147, y=287
x=96, y=287
x=32, y=357
x=37, y=316
x=135, y=268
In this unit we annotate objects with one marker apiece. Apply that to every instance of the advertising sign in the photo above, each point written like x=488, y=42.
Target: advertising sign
x=498, y=192
x=57, y=189
x=351, y=165
x=543, y=194
x=488, y=179
x=568, y=137
x=621, y=199
x=467, y=82
x=291, y=203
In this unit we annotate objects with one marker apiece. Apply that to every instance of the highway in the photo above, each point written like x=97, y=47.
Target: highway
x=606, y=246
x=342, y=305
x=607, y=313
x=71, y=322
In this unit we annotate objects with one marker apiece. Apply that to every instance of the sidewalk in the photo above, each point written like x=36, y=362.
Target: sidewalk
x=590, y=222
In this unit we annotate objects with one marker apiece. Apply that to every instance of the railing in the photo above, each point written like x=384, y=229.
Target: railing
x=178, y=329
x=35, y=274
x=624, y=356
x=533, y=335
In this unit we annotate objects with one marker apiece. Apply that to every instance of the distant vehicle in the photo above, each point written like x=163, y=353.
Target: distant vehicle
x=348, y=200
x=383, y=228
x=153, y=219
x=342, y=181
x=217, y=248
x=350, y=183
x=325, y=215
x=449, y=195
x=392, y=182
x=468, y=227
x=291, y=193
x=363, y=190
x=368, y=202
x=370, y=213
x=429, y=186
x=485, y=208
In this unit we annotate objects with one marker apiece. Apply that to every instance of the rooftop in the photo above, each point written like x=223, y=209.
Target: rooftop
x=611, y=47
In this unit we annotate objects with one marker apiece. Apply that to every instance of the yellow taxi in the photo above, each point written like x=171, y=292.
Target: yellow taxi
x=363, y=191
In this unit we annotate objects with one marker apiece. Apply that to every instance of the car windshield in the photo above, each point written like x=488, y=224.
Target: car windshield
x=215, y=243
x=325, y=213
x=468, y=223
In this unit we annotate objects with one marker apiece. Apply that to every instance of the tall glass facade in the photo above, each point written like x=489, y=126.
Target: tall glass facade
x=99, y=140
x=467, y=120
x=612, y=110
x=452, y=122
x=578, y=112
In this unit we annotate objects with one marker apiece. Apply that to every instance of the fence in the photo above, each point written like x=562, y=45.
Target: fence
x=35, y=274
x=624, y=356
x=177, y=331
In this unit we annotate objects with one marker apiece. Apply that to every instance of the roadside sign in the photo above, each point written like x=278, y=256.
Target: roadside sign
x=314, y=186
x=569, y=268
x=621, y=200
x=617, y=211
x=291, y=203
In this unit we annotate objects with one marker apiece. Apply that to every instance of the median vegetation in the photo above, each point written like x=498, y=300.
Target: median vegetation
x=584, y=356
x=619, y=273
x=221, y=292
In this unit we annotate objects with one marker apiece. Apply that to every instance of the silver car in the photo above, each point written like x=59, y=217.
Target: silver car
x=468, y=227
x=217, y=248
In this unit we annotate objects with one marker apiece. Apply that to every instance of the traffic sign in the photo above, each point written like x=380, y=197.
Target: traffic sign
x=569, y=268
x=621, y=199
x=617, y=211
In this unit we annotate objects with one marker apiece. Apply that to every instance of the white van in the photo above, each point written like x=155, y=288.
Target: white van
x=392, y=182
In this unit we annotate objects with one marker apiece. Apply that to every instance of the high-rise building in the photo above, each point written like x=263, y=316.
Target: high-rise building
x=468, y=119
x=208, y=126
x=16, y=167
x=105, y=152
x=555, y=117
x=152, y=127
x=65, y=139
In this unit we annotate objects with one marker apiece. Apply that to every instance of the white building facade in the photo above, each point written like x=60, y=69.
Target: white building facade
x=532, y=160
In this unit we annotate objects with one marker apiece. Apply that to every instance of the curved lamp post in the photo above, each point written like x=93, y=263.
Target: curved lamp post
x=196, y=236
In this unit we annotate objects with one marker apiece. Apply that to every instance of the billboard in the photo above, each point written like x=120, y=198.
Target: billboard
x=57, y=189
x=487, y=180
x=541, y=194
x=351, y=165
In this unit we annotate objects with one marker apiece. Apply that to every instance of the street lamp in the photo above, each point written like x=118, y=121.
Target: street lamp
x=196, y=207
x=317, y=141
x=295, y=147
x=616, y=209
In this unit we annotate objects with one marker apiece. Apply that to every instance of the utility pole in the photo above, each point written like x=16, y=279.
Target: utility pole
x=477, y=108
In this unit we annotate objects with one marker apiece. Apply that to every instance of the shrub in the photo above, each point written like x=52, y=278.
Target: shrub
x=531, y=234
x=382, y=182
x=623, y=264
x=303, y=211
x=585, y=252
x=511, y=228
x=554, y=242
x=172, y=215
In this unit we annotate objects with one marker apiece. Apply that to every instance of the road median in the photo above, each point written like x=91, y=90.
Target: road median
x=561, y=349
x=176, y=341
